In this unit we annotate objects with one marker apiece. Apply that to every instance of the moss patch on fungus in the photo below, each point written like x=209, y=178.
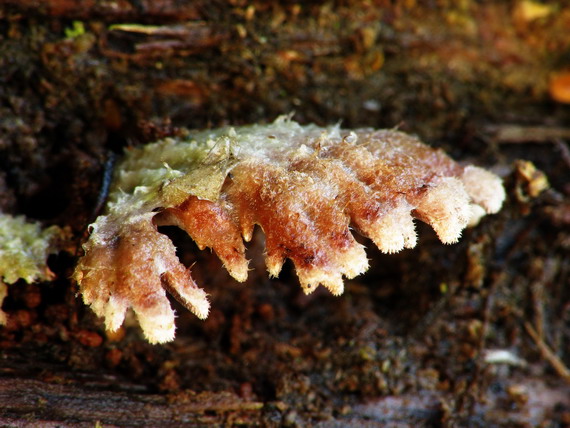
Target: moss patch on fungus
x=306, y=187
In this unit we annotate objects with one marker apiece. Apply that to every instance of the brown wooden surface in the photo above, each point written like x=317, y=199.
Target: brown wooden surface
x=406, y=344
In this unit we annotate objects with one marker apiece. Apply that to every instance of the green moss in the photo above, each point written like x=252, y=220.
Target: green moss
x=77, y=29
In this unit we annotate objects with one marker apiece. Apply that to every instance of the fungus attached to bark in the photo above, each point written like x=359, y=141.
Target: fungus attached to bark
x=306, y=187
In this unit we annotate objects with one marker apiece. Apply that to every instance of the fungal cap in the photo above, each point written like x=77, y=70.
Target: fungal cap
x=485, y=188
x=306, y=187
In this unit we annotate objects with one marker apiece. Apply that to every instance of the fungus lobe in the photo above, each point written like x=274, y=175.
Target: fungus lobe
x=306, y=187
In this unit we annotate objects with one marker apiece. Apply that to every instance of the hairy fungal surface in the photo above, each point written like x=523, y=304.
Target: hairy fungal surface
x=24, y=249
x=306, y=187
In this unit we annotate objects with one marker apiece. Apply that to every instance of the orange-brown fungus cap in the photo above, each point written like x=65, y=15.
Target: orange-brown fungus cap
x=306, y=187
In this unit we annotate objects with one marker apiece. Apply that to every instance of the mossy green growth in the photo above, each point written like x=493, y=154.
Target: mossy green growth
x=77, y=29
x=24, y=248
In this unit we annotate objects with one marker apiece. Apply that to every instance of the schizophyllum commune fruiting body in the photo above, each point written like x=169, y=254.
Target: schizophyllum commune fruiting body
x=306, y=187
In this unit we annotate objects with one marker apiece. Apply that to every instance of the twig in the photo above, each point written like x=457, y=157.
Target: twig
x=516, y=134
x=547, y=353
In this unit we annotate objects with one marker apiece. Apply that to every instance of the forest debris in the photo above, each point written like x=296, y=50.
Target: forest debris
x=212, y=402
x=476, y=269
x=518, y=393
x=140, y=42
x=517, y=134
x=503, y=356
x=77, y=403
x=547, y=353
x=530, y=181
x=559, y=214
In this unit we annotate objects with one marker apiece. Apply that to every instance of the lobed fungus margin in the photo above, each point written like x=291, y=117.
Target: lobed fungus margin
x=306, y=187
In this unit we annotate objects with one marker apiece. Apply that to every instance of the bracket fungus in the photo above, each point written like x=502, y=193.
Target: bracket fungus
x=306, y=187
x=24, y=249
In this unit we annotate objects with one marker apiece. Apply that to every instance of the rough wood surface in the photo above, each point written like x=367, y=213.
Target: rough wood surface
x=416, y=340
